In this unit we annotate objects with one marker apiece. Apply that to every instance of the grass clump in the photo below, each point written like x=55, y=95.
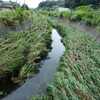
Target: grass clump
x=65, y=14
x=14, y=16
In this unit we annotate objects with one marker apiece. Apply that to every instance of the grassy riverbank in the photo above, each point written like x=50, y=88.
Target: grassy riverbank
x=20, y=52
x=77, y=77
x=87, y=14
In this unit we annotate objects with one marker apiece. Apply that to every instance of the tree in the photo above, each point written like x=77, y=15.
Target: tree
x=51, y=3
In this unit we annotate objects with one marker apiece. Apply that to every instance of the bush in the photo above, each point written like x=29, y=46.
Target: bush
x=65, y=14
x=87, y=14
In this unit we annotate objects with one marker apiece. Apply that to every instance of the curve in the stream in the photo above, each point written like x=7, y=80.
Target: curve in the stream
x=38, y=84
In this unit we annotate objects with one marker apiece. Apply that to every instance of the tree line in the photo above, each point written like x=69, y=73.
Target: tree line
x=68, y=3
x=74, y=3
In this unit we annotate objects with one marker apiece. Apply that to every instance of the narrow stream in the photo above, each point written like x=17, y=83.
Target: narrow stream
x=38, y=84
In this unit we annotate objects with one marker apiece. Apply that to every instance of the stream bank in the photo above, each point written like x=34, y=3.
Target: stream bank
x=78, y=73
x=82, y=27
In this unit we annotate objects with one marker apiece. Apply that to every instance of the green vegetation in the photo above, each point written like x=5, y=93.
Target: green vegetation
x=67, y=3
x=21, y=51
x=77, y=77
x=78, y=74
x=87, y=14
x=75, y=3
x=49, y=12
x=65, y=14
x=55, y=13
x=14, y=16
x=51, y=3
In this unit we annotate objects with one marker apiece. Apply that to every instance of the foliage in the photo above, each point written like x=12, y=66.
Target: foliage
x=49, y=12
x=87, y=14
x=74, y=3
x=55, y=13
x=50, y=4
x=14, y=16
x=98, y=28
x=78, y=75
x=20, y=49
x=67, y=3
x=65, y=14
